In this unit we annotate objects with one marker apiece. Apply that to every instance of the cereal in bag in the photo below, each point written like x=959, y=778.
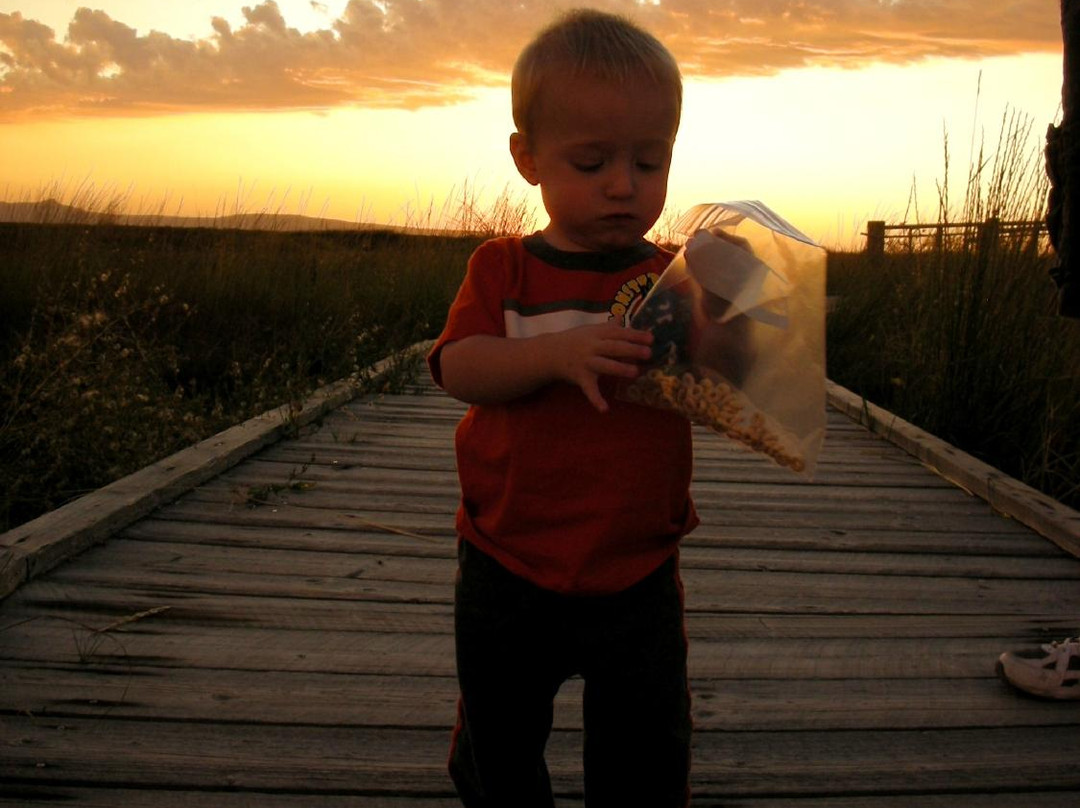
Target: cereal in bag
x=738, y=320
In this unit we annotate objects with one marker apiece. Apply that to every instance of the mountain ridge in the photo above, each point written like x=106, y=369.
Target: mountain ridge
x=51, y=211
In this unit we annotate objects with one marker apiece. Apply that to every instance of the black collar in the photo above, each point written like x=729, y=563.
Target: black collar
x=613, y=261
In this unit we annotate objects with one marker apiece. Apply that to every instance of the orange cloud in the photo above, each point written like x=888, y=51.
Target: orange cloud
x=413, y=53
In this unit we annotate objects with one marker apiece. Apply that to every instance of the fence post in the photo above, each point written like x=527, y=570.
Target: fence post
x=989, y=232
x=875, y=238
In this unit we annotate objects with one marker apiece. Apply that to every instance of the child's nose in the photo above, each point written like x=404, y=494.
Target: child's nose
x=621, y=181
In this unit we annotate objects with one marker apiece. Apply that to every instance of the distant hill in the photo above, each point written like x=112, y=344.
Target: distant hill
x=50, y=211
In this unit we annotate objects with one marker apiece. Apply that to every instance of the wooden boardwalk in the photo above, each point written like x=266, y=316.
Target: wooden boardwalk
x=280, y=637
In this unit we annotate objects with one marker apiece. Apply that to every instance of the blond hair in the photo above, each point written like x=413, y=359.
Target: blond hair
x=593, y=43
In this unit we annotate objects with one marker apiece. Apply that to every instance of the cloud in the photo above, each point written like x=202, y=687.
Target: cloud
x=413, y=53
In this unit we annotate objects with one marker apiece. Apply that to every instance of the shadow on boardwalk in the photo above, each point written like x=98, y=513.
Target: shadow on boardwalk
x=280, y=637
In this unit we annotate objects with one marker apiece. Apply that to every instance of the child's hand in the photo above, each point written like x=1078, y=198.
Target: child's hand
x=583, y=354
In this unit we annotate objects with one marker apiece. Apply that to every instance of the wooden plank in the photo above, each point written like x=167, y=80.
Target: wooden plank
x=97, y=606
x=425, y=485
x=833, y=593
x=172, y=559
x=363, y=760
x=359, y=540
x=160, y=643
x=432, y=527
x=732, y=590
x=401, y=565
x=95, y=797
x=873, y=539
x=91, y=797
x=268, y=757
x=871, y=457
x=429, y=702
x=230, y=696
x=345, y=589
x=288, y=461
x=910, y=762
x=319, y=511
x=394, y=559
x=868, y=563
x=1010, y=542
x=339, y=473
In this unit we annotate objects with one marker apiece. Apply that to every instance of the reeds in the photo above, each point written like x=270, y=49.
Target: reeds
x=121, y=344
x=959, y=335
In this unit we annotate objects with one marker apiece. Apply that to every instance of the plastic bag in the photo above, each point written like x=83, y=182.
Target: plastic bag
x=738, y=319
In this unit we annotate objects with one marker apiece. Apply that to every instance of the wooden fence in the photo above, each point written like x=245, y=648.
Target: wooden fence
x=952, y=235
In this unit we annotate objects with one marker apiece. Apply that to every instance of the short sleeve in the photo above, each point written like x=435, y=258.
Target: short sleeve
x=477, y=307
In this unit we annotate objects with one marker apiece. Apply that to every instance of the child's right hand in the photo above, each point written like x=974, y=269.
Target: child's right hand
x=582, y=355
x=485, y=369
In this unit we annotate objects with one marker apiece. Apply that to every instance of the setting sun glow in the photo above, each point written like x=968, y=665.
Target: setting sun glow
x=829, y=137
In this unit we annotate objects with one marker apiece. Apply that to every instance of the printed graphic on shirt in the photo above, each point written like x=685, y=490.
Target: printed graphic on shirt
x=630, y=297
x=549, y=318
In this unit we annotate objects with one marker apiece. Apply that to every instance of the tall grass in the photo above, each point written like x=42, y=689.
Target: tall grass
x=960, y=337
x=122, y=344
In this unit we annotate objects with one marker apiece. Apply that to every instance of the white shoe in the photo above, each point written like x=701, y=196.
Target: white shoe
x=1052, y=672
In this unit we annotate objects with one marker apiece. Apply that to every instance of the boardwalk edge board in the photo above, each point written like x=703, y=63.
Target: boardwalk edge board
x=37, y=546
x=1007, y=496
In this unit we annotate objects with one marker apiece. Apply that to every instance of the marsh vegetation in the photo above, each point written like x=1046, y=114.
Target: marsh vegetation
x=121, y=344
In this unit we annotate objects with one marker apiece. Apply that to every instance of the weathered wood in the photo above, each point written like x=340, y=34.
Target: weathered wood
x=939, y=233
x=281, y=636
x=1057, y=522
x=93, y=797
x=1008, y=541
x=401, y=523
x=130, y=798
x=428, y=702
x=771, y=592
x=94, y=606
x=37, y=546
x=378, y=760
x=424, y=562
x=160, y=644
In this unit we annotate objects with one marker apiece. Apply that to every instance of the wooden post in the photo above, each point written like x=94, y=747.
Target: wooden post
x=875, y=238
x=988, y=234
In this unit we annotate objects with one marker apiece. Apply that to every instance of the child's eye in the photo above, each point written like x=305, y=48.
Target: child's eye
x=589, y=166
x=648, y=166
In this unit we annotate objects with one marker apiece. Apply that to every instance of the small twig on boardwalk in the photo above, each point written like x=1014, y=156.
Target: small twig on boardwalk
x=131, y=618
x=399, y=531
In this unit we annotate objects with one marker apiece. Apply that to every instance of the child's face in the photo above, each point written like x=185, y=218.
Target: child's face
x=600, y=153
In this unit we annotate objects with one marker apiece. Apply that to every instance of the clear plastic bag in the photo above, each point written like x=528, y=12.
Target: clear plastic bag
x=738, y=319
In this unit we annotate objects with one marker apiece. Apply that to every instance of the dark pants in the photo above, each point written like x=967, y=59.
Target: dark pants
x=517, y=643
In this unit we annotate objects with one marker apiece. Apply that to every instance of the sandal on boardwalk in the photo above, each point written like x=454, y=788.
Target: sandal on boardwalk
x=1052, y=672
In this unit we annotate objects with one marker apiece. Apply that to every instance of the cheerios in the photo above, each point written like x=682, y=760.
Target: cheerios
x=714, y=404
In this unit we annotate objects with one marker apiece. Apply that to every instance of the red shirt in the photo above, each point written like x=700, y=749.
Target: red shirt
x=574, y=500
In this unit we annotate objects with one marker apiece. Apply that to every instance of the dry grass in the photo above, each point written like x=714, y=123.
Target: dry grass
x=121, y=344
x=963, y=340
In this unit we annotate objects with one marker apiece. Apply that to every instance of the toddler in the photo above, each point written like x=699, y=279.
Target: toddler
x=573, y=501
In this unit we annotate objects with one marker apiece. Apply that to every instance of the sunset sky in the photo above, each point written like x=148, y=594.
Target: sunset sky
x=829, y=111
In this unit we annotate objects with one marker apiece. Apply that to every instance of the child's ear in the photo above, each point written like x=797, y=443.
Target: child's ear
x=523, y=158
